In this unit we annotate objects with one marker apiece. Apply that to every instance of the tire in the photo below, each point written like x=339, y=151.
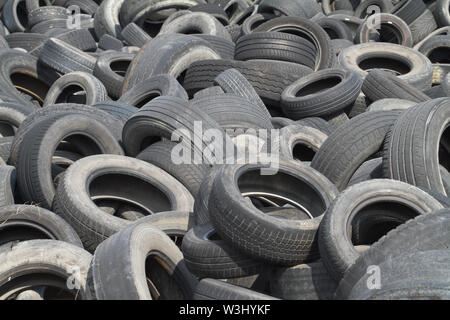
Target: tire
x=118, y=110
x=23, y=223
x=223, y=46
x=390, y=105
x=280, y=122
x=316, y=123
x=46, y=13
x=311, y=31
x=213, y=9
x=135, y=36
x=409, y=10
x=166, y=117
x=204, y=23
x=362, y=11
x=5, y=148
x=276, y=46
x=106, y=19
x=369, y=170
x=89, y=7
x=269, y=78
x=287, y=8
x=113, y=124
x=234, y=82
x=35, y=179
x=303, y=282
x=94, y=225
x=388, y=56
x=234, y=113
x=359, y=138
x=160, y=85
x=14, y=15
x=442, y=13
x=285, y=242
x=423, y=26
x=211, y=91
x=337, y=250
x=336, y=29
x=166, y=54
x=11, y=116
x=27, y=41
x=235, y=31
x=160, y=155
x=110, y=69
x=391, y=29
x=300, y=142
x=424, y=233
x=380, y=84
x=68, y=85
x=126, y=252
x=436, y=49
x=19, y=70
x=108, y=42
x=427, y=122
x=320, y=94
x=41, y=259
x=210, y=289
x=409, y=277
x=65, y=58
x=208, y=257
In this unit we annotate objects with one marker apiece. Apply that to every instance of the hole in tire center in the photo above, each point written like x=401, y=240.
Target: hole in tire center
x=303, y=152
x=130, y=189
x=29, y=85
x=295, y=192
x=120, y=67
x=190, y=30
x=332, y=33
x=318, y=86
x=7, y=129
x=146, y=99
x=72, y=94
x=162, y=281
x=21, y=231
x=387, y=64
x=231, y=9
x=375, y=220
x=22, y=13
x=444, y=149
x=440, y=55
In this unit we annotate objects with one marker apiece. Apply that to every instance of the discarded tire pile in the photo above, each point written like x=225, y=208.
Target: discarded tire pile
x=346, y=196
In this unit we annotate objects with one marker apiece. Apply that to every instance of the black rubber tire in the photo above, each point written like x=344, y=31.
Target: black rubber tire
x=163, y=117
x=359, y=138
x=108, y=42
x=300, y=143
x=160, y=155
x=27, y=41
x=118, y=110
x=369, y=170
x=269, y=78
x=303, y=282
x=88, y=7
x=390, y=28
x=316, y=123
x=310, y=31
x=37, y=223
x=390, y=104
x=34, y=178
x=368, y=208
x=7, y=185
x=424, y=233
x=211, y=289
x=41, y=259
x=71, y=83
x=273, y=240
x=442, y=12
x=5, y=148
x=424, y=25
x=106, y=19
x=11, y=116
x=122, y=257
x=110, y=69
x=234, y=82
x=286, y=8
x=46, y=13
x=336, y=29
x=211, y=91
x=412, y=66
x=160, y=85
x=417, y=144
x=112, y=123
x=409, y=277
x=235, y=31
x=436, y=49
x=234, y=113
x=133, y=35
x=224, y=47
x=321, y=94
x=14, y=15
x=65, y=58
x=213, y=9
x=380, y=84
x=409, y=10
x=362, y=11
x=73, y=197
x=167, y=54
x=280, y=122
x=276, y=46
x=208, y=257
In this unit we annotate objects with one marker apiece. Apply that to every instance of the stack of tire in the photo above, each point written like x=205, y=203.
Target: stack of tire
x=109, y=190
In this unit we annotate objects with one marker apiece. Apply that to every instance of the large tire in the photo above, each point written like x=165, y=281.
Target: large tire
x=135, y=257
x=210, y=289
